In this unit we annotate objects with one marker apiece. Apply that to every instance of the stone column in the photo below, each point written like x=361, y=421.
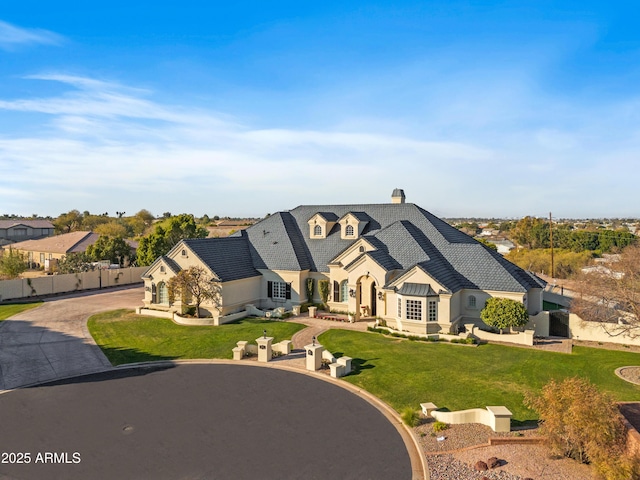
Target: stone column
x=264, y=349
x=314, y=356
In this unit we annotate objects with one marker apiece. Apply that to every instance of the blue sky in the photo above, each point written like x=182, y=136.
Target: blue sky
x=243, y=108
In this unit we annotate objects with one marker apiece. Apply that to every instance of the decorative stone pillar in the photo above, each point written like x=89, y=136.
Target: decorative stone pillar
x=312, y=312
x=500, y=418
x=264, y=349
x=314, y=356
x=238, y=353
x=346, y=362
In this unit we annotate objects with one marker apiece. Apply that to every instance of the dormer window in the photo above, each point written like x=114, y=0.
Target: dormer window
x=321, y=224
x=352, y=225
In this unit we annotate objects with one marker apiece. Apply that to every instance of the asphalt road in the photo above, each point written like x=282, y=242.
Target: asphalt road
x=52, y=341
x=197, y=422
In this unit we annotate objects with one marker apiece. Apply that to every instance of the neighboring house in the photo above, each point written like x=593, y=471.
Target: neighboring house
x=39, y=253
x=503, y=245
x=394, y=261
x=19, y=230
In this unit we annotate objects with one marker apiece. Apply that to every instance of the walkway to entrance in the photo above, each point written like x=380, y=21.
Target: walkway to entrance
x=315, y=326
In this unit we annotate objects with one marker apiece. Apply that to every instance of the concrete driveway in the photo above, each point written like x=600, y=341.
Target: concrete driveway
x=52, y=341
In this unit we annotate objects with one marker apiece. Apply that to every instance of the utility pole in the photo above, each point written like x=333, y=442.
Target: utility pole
x=551, y=241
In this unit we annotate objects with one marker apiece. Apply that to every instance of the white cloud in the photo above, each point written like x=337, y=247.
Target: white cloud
x=12, y=36
x=106, y=143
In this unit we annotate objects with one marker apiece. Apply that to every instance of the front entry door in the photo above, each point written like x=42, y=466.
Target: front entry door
x=374, y=300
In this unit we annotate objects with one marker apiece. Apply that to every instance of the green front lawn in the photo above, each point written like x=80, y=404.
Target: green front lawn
x=7, y=311
x=125, y=337
x=405, y=373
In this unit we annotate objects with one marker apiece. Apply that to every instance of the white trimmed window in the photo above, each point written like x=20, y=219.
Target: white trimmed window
x=348, y=231
x=317, y=231
x=344, y=291
x=413, y=310
x=163, y=293
x=399, y=308
x=279, y=290
x=433, y=311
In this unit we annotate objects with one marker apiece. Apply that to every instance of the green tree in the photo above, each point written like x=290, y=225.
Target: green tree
x=68, y=222
x=75, y=263
x=12, y=264
x=504, y=313
x=531, y=232
x=91, y=222
x=166, y=235
x=114, y=249
x=146, y=216
x=113, y=229
x=194, y=285
x=585, y=424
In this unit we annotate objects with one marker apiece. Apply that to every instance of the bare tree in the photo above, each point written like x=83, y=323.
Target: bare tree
x=195, y=285
x=610, y=295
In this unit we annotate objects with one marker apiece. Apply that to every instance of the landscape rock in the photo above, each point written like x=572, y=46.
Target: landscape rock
x=481, y=466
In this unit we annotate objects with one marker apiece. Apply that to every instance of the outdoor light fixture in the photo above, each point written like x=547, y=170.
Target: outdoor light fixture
x=313, y=340
x=352, y=293
x=380, y=295
x=264, y=334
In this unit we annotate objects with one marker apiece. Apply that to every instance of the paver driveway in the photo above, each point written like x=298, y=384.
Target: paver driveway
x=52, y=341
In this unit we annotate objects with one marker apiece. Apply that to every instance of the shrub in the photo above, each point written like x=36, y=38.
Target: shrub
x=323, y=287
x=440, y=426
x=504, y=313
x=585, y=424
x=410, y=417
x=310, y=284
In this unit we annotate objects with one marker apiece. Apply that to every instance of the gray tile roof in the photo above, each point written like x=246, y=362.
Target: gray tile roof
x=328, y=216
x=229, y=258
x=26, y=223
x=404, y=234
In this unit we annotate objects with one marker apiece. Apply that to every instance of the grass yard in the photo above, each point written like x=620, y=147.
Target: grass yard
x=7, y=311
x=405, y=373
x=125, y=337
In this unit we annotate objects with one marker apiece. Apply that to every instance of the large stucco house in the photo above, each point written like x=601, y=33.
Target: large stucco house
x=394, y=261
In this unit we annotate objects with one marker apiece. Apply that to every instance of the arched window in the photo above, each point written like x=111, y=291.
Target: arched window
x=163, y=293
x=348, y=231
x=317, y=230
x=361, y=249
x=472, y=301
x=344, y=291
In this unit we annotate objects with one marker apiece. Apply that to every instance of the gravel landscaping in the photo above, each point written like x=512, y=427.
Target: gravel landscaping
x=517, y=462
x=630, y=374
x=461, y=436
